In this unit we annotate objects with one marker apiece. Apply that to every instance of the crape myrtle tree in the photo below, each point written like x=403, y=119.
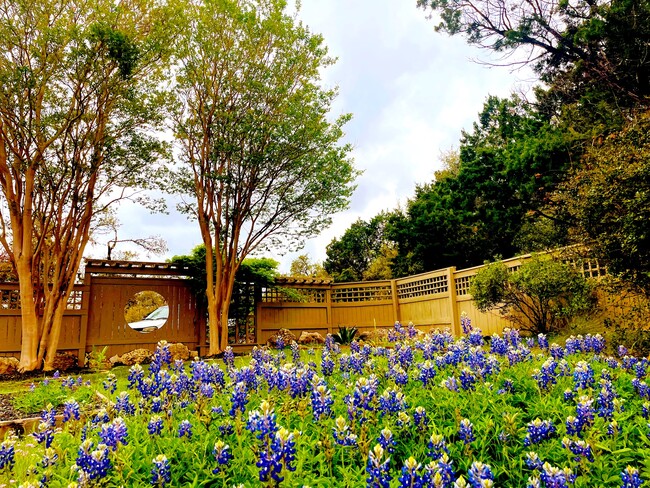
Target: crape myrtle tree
x=78, y=96
x=259, y=155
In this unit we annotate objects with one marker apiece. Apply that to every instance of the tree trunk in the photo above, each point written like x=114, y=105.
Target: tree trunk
x=30, y=323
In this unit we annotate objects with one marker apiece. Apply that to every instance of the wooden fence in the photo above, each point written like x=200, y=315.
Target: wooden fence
x=94, y=318
x=433, y=300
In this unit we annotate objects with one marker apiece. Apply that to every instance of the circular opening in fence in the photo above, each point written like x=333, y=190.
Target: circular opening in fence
x=146, y=311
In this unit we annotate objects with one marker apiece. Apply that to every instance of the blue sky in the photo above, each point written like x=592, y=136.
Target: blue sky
x=411, y=91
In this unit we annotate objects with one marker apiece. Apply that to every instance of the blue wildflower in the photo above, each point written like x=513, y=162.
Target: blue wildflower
x=7, y=455
x=222, y=455
x=630, y=478
x=114, y=433
x=342, y=434
x=378, y=469
x=161, y=471
x=185, y=429
x=239, y=399
x=465, y=431
x=478, y=473
x=321, y=400
x=387, y=441
x=155, y=425
x=70, y=410
x=410, y=477
x=538, y=431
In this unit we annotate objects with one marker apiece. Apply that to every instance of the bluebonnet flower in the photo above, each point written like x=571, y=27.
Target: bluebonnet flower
x=467, y=379
x=622, y=350
x=7, y=455
x=542, y=341
x=114, y=433
x=645, y=410
x=538, y=431
x=161, y=471
x=573, y=345
x=554, y=477
x=387, y=441
x=584, y=416
x=398, y=374
x=295, y=352
x=478, y=473
x=136, y=375
x=420, y=418
x=206, y=390
x=229, y=358
x=465, y=431
x=498, y=345
x=583, y=376
x=450, y=383
x=70, y=410
x=110, y=383
x=157, y=405
x=321, y=400
x=342, y=434
x=262, y=422
x=507, y=387
x=44, y=434
x=533, y=461
x=465, y=323
x=641, y=388
x=280, y=456
x=239, y=399
x=222, y=455
x=556, y=351
x=92, y=464
x=569, y=395
x=580, y=449
x=410, y=477
x=363, y=397
x=630, y=478
x=155, y=425
x=606, y=398
x=378, y=469
x=445, y=470
x=357, y=363
x=161, y=357
x=613, y=428
x=185, y=429
x=298, y=382
x=123, y=404
x=547, y=375
x=101, y=417
x=391, y=401
x=533, y=482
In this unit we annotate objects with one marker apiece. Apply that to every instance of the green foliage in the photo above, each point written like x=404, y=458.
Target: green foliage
x=508, y=164
x=540, y=296
x=302, y=266
x=607, y=202
x=345, y=335
x=350, y=256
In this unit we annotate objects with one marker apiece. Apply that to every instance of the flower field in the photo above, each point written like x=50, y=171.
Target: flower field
x=419, y=411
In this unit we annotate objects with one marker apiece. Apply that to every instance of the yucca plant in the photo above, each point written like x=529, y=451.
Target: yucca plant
x=345, y=335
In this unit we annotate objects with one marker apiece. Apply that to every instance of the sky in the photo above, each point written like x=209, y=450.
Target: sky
x=411, y=92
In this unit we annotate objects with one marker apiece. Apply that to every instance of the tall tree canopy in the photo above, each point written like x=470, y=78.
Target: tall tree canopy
x=351, y=256
x=591, y=51
x=78, y=101
x=261, y=159
x=508, y=164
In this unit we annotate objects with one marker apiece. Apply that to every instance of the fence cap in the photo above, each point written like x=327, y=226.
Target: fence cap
x=105, y=266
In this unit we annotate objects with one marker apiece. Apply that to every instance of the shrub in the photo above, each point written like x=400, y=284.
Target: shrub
x=541, y=296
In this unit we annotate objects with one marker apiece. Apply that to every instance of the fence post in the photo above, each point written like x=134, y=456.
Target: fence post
x=453, y=302
x=83, y=325
x=397, y=316
x=328, y=304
